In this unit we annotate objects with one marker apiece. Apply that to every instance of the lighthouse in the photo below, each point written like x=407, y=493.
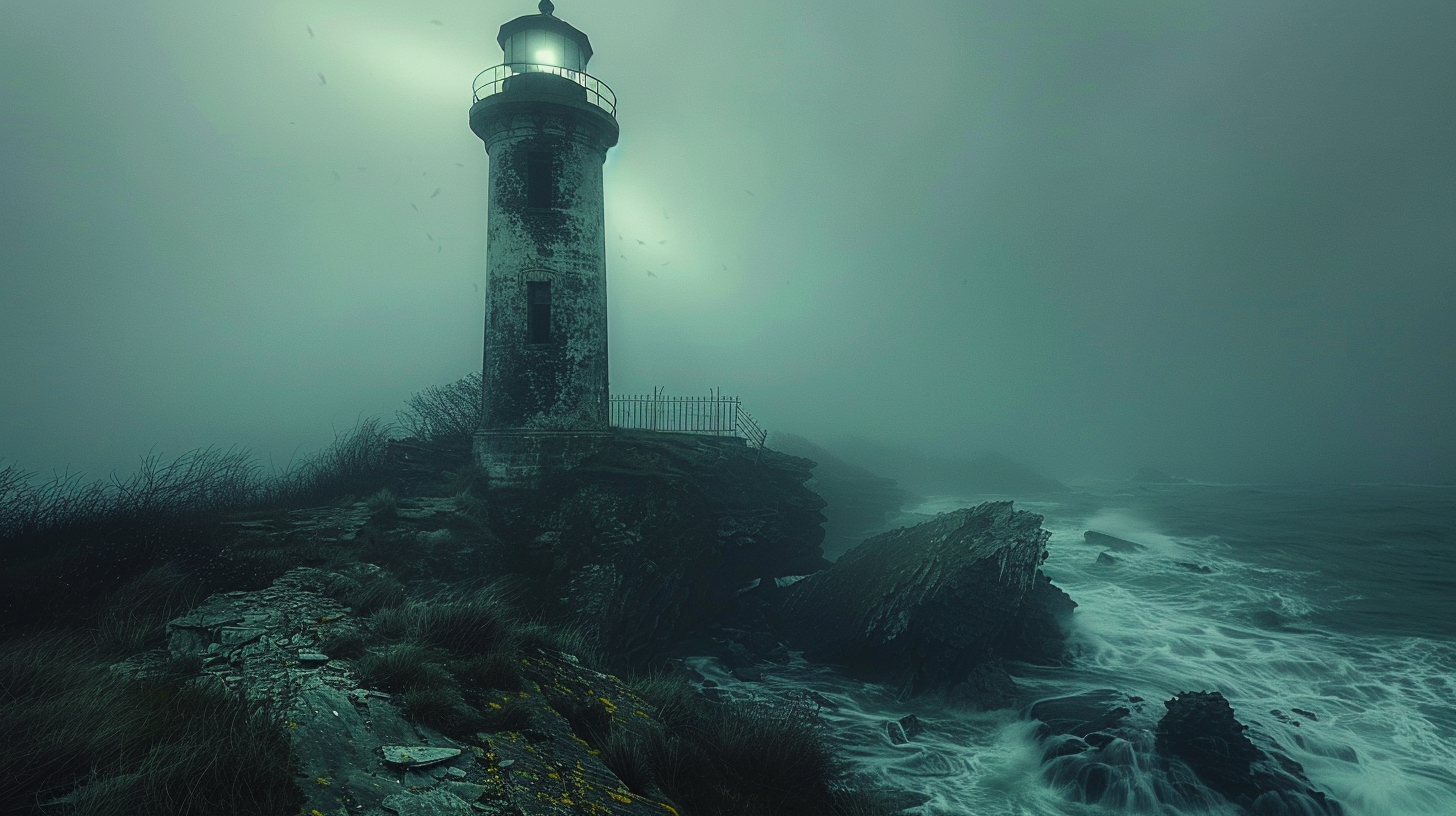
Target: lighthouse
x=547, y=126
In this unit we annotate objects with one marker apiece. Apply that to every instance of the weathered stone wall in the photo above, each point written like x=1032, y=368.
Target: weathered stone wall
x=562, y=384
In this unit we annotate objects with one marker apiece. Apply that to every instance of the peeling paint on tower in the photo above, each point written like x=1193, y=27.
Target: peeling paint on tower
x=547, y=127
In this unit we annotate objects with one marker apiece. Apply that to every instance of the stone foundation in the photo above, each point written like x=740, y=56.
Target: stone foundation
x=522, y=458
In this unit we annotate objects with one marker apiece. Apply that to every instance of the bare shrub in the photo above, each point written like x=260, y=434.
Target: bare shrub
x=444, y=414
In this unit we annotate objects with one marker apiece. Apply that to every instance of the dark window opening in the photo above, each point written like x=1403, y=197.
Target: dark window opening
x=540, y=179
x=538, y=312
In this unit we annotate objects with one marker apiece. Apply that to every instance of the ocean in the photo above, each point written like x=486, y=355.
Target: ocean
x=1339, y=601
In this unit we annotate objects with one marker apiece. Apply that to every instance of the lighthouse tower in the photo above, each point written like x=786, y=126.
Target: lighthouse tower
x=547, y=126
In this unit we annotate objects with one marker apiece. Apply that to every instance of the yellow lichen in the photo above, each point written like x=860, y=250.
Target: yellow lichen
x=322, y=781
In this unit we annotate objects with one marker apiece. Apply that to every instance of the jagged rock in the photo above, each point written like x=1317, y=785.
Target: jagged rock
x=1105, y=559
x=924, y=606
x=1200, y=729
x=1113, y=543
x=1039, y=632
x=1081, y=715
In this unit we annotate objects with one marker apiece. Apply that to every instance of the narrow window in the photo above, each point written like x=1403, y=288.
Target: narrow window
x=539, y=180
x=538, y=312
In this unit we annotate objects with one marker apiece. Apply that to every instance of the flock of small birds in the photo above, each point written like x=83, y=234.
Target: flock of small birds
x=431, y=238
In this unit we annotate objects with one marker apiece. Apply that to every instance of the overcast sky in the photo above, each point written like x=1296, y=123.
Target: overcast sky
x=1212, y=236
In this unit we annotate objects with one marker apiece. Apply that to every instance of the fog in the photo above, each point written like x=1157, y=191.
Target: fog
x=1215, y=237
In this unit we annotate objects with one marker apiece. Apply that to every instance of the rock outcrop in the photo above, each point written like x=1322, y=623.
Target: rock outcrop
x=359, y=753
x=656, y=533
x=929, y=607
x=1200, y=729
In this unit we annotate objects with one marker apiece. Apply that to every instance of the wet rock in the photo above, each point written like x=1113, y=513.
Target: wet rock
x=1200, y=729
x=925, y=607
x=1198, y=568
x=1082, y=715
x=1105, y=559
x=1113, y=543
x=904, y=729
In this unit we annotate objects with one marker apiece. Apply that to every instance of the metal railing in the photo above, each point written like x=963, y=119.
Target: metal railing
x=714, y=414
x=493, y=80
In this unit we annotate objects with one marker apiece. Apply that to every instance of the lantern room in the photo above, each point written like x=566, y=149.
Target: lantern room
x=542, y=39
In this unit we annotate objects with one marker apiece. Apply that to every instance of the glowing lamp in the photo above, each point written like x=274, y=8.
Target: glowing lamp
x=542, y=42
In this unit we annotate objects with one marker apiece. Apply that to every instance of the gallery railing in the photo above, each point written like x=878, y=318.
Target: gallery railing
x=714, y=414
x=495, y=79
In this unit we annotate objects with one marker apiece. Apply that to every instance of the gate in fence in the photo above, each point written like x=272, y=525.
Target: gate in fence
x=714, y=414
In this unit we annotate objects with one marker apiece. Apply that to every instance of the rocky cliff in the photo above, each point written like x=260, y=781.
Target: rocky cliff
x=655, y=534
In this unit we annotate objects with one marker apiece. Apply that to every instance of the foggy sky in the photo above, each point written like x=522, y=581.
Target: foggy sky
x=1216, y=237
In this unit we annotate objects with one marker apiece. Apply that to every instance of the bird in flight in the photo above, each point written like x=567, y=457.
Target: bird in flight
x=651, y=274
x=750, y=192
x=662, y=241
x=310, y=31
x=413, y=207
x=322, y=81
x=336, y=174
x=459, y=164
x=436, y=22
x=640, y=241
x=437, y=192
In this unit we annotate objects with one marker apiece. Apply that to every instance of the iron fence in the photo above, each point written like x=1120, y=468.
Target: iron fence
x=714, y=414
x=493, y=80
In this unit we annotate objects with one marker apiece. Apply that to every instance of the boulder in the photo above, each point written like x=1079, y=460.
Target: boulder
x=925, y=607
x=1200, y=729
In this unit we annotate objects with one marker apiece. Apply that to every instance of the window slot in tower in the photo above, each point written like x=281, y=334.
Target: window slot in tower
x=540, y=179
x=538, y=312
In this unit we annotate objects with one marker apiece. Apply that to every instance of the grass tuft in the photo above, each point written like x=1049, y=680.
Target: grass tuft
x=88, y=742
x=402, y=666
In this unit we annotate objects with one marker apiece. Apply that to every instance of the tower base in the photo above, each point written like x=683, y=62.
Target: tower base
x=524, y=458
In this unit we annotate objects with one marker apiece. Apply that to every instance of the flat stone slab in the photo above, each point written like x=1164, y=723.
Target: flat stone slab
x=430, y=803
x=417, y=756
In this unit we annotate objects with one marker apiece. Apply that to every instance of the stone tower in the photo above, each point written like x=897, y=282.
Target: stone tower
x=547, y=126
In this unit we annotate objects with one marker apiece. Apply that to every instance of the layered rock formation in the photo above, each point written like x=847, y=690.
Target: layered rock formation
x=935, y=606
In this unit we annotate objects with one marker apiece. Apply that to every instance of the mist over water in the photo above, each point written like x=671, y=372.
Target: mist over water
x=1316, y=598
